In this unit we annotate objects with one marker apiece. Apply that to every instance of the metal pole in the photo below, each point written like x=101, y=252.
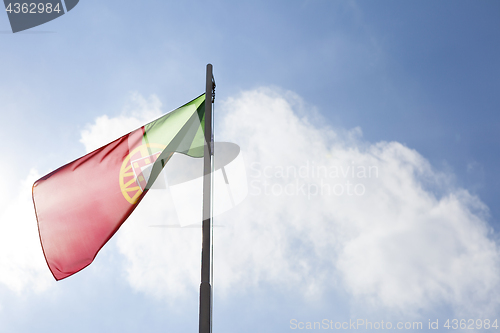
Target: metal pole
x=205, y=287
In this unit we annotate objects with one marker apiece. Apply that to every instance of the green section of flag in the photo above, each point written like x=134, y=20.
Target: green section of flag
x=181, y=131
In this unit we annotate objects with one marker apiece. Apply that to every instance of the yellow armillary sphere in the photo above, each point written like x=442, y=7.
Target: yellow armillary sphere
x=132, y=180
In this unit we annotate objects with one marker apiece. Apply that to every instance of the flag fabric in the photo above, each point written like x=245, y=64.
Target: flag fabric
x=83, y=203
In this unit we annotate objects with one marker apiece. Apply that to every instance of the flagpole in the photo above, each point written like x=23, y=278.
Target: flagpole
x=205, y=286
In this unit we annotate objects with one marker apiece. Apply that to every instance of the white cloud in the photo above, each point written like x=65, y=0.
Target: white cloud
x=326, y=210
x=136, y=113
x=22, y=263
x=397, y=245
x=163, y=262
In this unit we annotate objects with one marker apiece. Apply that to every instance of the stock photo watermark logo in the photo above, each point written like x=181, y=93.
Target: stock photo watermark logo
x=29, y=14
x=182, y=177
x=311, y=179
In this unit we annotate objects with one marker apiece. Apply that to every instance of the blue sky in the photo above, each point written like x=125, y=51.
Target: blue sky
x=403, y=85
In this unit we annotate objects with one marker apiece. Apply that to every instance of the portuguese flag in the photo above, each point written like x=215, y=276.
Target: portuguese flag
x=83, y=203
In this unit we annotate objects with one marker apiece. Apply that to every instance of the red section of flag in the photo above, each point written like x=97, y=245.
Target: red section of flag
x=81, y=205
